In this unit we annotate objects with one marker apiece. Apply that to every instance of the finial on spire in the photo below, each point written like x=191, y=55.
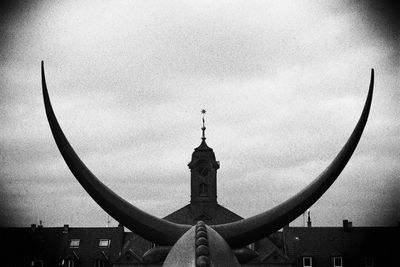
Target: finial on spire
x=203, y=111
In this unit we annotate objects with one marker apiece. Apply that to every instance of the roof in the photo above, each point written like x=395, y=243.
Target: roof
x=269, y=252
x=203, y=153
x=22, y=245
x=51, y=245
x=209, y=212
x=353, y=244
x=203, y=146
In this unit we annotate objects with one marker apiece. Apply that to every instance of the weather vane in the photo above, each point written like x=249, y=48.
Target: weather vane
x=203, y=111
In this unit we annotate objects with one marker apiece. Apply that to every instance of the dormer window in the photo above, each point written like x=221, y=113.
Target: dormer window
x=203, y=190
x=74, y=243
x=307, y=261
x=104, y=243
x=337, y=261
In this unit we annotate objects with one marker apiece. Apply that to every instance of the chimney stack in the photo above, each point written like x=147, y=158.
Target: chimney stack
x=65, y=229
x=309, y=219
x=347, y=225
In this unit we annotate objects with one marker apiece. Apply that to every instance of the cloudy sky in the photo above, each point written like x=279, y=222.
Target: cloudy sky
x=283, y=83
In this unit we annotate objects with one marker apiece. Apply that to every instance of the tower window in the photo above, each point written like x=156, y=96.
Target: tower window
x=203, y=190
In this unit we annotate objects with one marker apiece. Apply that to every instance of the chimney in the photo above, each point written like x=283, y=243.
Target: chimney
x=65, y=229
x=309, y=219
x=33, y=227
x=347, y=225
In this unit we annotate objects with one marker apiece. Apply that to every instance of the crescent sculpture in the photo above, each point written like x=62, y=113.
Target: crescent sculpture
x=203, y=245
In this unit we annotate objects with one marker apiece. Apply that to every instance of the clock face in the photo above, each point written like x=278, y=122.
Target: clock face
x=203, y=170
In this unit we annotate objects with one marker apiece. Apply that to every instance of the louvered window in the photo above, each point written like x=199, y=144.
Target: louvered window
x=203, y=190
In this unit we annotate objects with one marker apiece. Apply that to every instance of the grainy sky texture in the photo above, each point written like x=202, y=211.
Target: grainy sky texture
x=283, y=82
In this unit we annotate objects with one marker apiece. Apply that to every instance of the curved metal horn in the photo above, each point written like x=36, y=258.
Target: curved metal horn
x=249, y=230
x=152, y=228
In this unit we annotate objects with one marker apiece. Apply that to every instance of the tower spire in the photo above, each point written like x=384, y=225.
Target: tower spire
x=203, y=111
x=203, y=171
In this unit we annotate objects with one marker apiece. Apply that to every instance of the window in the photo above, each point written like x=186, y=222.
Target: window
x=69, y=263
x=337, y=262
x=74, y=243
x=251, y=246
x=99, y=263
x=369, y=262
x=203, y=190
x=37, y=263
x=307, y=261
x=104, y=243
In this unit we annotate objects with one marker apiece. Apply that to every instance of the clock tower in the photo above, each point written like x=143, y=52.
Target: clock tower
x=203, y=172
x=203, y=204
